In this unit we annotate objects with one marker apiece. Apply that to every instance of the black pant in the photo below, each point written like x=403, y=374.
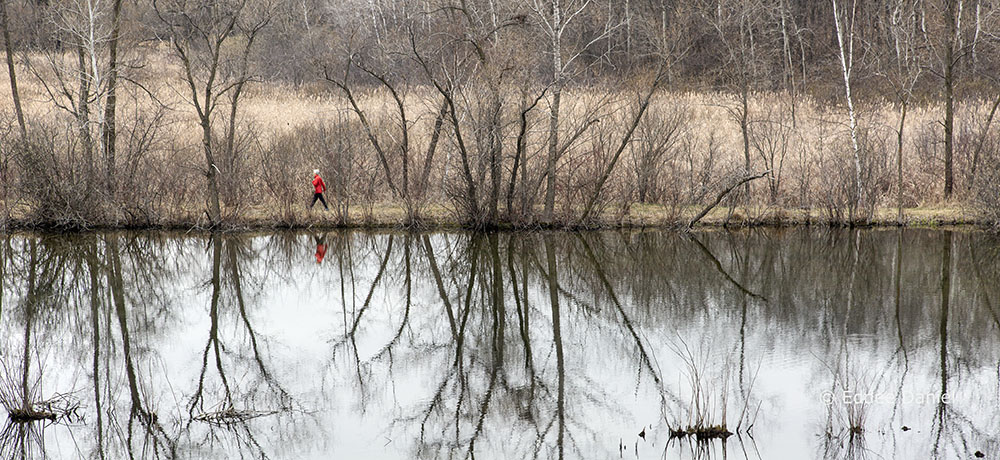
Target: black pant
x=319, y=196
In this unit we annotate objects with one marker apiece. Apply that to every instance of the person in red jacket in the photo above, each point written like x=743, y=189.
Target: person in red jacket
x=318, y=187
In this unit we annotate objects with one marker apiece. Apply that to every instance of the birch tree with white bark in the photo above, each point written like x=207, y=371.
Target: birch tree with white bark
x=844, y=21
x=75, y=75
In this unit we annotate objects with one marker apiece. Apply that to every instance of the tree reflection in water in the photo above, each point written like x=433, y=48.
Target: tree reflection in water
x=530, y=345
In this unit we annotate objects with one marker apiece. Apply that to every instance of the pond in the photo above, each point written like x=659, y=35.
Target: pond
x=766, y=344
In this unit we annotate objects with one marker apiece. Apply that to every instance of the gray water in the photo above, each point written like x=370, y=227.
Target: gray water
x=523, y=345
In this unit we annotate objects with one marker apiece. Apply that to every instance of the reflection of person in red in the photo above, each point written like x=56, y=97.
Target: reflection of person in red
x=320, y=248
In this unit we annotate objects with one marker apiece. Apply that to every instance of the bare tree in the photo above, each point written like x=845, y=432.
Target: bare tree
x=656, y=143
x=952, y=18
x=75, y=81
x=469, y=63
x=902, y=71
x=521, y=155
x=742, y=29
x=109, y=134
x=11, y=73
x=557, y=17
x=788, y=26
x=642, y=105
x=983, y=65
x=769, y=138
x=942, y=33
x=206, y=36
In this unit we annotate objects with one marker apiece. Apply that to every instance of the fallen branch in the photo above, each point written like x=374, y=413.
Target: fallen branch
x=231, y=416
x=718, y=199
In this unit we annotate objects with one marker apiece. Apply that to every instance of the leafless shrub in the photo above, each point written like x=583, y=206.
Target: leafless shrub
x=986, y=193
x=236, y=184
x=147, y=179
x=769, y=139
x=9, y=144
x=700, y=168
x=835, y=183
x=656, y=146
x=842, y=201
x=23, y=403
x=876, y=171
x=59, y=195
x=924, y=168
x=280, y=160
x=586, y=164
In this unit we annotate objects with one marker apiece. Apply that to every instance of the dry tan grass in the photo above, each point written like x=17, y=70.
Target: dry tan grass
x=820, y=137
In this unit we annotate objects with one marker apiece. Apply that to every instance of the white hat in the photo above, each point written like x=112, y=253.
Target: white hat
x=316, y=171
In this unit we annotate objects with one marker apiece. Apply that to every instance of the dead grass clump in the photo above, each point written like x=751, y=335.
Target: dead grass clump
x=701, y=433
x=23, y=404
x=54, y=409
x=708, y=396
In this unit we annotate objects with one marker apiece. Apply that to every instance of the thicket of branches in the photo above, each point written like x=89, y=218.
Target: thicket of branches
x=496, y=112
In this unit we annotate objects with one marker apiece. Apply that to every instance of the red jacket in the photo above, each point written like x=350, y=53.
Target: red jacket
x=318, y=184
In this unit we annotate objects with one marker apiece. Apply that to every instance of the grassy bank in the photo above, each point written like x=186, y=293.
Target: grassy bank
x=441, y=217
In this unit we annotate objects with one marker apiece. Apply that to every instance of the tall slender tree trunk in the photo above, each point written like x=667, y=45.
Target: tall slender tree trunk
x=83, y=114
x=8, y=48
x=949, y=129
x=557, y=77
x=518, y=153
x=229, y=162
x=550, y=165
x=975, y=37
x=109, y=133
x=745, y=132
x=496, y=155
x=789, y=66
x=429, y=156
x=949, y=99
x=979, y=144
x=899, y=162
x=211, y=174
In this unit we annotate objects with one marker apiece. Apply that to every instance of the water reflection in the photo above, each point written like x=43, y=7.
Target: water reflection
x=862, y=344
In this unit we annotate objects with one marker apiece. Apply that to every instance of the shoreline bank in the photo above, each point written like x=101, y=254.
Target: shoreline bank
x=440, y=218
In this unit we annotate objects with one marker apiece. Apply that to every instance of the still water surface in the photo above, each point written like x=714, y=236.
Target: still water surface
x=524, y=345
